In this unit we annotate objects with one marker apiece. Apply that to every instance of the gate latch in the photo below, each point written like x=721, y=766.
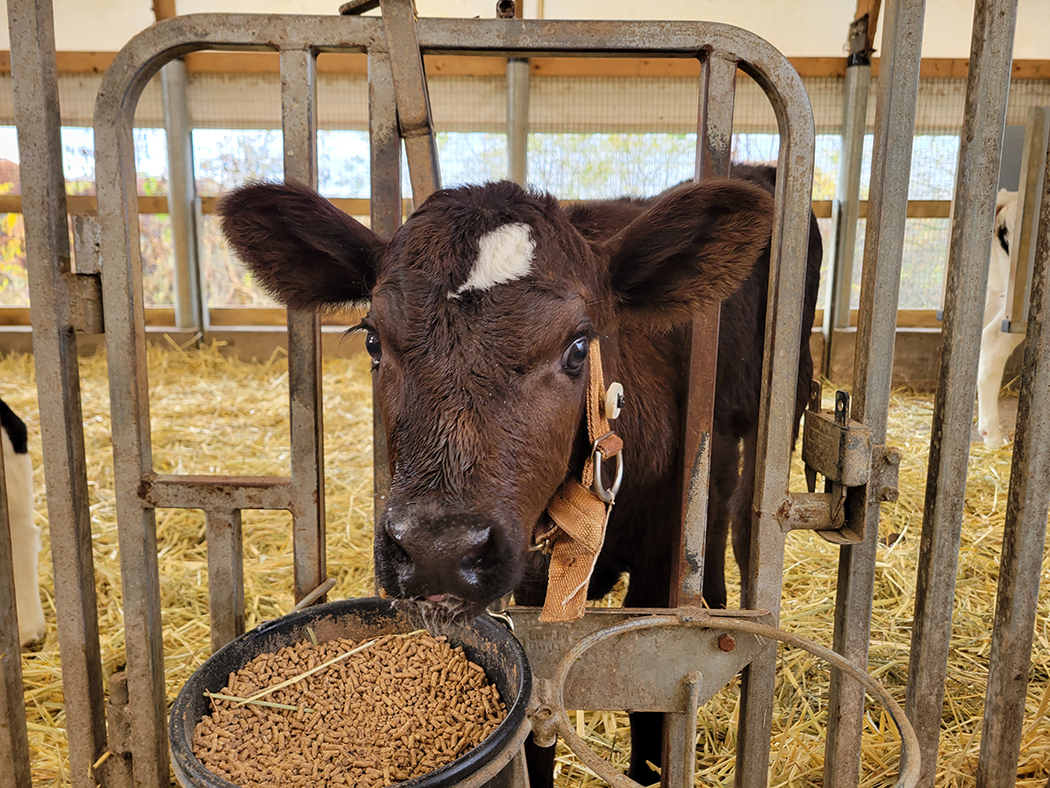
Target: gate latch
x=841, y=450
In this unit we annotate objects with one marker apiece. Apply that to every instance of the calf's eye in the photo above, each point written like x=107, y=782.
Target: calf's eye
x=575, y=355
x=373, y=347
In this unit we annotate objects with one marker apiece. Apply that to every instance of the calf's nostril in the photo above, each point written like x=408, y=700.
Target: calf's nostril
x=478, y=551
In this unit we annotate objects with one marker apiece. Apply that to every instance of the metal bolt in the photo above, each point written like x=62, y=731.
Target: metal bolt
x=890, y=494
x=543, y=713
x=544, y=726
x=726, y=643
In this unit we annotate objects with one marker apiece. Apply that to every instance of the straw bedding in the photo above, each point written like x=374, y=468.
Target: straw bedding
x=212, y=414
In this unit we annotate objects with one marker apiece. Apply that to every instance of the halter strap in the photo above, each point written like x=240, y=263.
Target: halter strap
x=580, y=509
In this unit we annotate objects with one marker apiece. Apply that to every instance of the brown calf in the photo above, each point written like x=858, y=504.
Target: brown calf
x=481, y=312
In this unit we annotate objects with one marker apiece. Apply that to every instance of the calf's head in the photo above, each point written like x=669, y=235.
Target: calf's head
x=481, y=310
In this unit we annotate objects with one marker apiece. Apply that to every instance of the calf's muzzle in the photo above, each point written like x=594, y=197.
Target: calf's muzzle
x=424, y=550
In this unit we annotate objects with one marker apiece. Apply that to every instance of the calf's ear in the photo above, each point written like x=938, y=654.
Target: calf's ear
x=692, y=248
x=306, y=252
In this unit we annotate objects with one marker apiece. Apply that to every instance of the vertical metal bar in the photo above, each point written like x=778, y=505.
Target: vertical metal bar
x=14, y=736
x=132, y=450
x=189, y=305
x=1024, y=536
x=413, y=101
x=518, y=119
x=987, y=90
x=1022, y=245
x=31, y=25
x=225, y=577
x=386, y=218
x=681, y=771
x=519, y=777
x=845, y=209
x=787, y=275
x=713, y=143
x=299, y=122
x=872, y=369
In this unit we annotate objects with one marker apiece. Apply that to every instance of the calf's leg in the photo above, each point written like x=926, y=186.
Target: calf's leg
x=743, y=498
x=651, y=589
x=725, y=475
x=996, y=347
x=25, y=544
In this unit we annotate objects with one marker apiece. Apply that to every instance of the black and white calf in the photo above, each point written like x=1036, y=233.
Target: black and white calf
x=25, y=536
x=996, y=345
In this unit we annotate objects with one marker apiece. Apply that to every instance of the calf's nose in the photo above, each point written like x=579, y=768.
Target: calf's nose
x=438, y=559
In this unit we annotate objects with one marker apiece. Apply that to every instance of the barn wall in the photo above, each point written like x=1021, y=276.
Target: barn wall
x=800, y=28
x=568, y=104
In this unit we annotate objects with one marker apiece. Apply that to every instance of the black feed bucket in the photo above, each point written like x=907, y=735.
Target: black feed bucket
x=485, y=641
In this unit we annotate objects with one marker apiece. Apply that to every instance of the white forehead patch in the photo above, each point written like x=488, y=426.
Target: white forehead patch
x=505, y=254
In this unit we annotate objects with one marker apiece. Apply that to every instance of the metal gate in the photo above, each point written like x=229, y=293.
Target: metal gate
x=65, y=302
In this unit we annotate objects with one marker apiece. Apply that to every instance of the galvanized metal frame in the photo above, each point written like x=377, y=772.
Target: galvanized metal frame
x=60, y=300
x=140, y=490
x=987, y=90
x=880, y=285
x=1024, y=535
x=299, y=39
x=693, y=683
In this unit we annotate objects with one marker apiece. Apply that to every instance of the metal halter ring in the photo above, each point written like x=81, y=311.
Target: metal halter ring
x=607, y=496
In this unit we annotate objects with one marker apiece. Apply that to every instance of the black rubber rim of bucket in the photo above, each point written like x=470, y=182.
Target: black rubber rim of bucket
x=191, y=704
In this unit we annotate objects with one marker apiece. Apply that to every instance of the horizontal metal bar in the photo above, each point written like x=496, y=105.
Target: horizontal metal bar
x=631, y=678
x=806, y=512
x=217, y=493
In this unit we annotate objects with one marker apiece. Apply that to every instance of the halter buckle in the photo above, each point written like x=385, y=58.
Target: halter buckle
x=605, y=495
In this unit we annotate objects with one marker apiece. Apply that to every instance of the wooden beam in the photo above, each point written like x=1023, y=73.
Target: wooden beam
x=614, y=67
x=80, y=204
x=229, y=316
x=917, y=209
x=906, y=318
x=481, y=65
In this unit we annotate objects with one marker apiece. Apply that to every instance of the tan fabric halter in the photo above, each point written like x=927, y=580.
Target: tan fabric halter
x=580, y=509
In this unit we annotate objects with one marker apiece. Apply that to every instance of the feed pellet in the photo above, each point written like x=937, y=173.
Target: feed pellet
x=398, y=707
